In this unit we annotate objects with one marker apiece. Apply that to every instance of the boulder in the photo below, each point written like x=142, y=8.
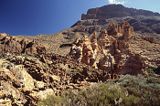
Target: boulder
x=25, y=79
x=5, y=102
x=41, y=95
x=40, y=84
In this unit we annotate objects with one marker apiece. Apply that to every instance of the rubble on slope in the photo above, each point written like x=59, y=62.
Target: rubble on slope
x=10, y=44
x=27, y=79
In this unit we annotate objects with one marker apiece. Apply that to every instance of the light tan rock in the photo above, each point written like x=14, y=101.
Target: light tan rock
x=87, y=50
x=5, y=102
x=55, y=78
x=41, y=95
x=127, y=30
x=25, y=78
x=40, y=84
x=2, y=35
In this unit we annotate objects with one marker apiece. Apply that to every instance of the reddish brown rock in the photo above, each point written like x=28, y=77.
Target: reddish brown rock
x=112, y=28
x=110, y=52
x=10, y=44
x=127, y=30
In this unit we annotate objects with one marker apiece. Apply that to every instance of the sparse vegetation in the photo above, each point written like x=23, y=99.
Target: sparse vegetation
x=51, y=100
x=127, y=91
x=147, y=89
x=100, y=95
x=151, y=70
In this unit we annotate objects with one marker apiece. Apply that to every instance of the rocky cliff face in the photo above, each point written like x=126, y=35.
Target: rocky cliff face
x=141, y=20
x=111, y=11
x=145, y=25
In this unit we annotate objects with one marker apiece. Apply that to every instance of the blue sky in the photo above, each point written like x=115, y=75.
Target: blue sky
x=32, y=17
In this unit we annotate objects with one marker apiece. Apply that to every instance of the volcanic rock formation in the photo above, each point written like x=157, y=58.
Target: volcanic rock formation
x=115, y=10
x=30, y=76
x=14, y=45
x=142, y=20
x=109, y=51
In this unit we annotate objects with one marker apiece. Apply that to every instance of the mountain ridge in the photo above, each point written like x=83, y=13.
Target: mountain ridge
x=115, y=10
x=143, y=21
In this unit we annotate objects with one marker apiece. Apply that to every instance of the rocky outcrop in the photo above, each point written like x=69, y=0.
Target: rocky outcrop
x=142, y=20
x=18, y=46
x=109, y=51
x=111, y=11
x=26, y=79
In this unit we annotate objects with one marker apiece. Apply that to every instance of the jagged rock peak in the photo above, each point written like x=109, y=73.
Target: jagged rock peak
x=115, y=10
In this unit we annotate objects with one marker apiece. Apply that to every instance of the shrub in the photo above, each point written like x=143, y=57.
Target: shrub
x=147, y=89
x=151, y=70
x=101, y=95
x=127, y=91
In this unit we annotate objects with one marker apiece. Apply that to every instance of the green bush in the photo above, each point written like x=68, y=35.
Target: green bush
x=151, y=70
x=146, y=88
x=127, y=91
x=101, y=95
